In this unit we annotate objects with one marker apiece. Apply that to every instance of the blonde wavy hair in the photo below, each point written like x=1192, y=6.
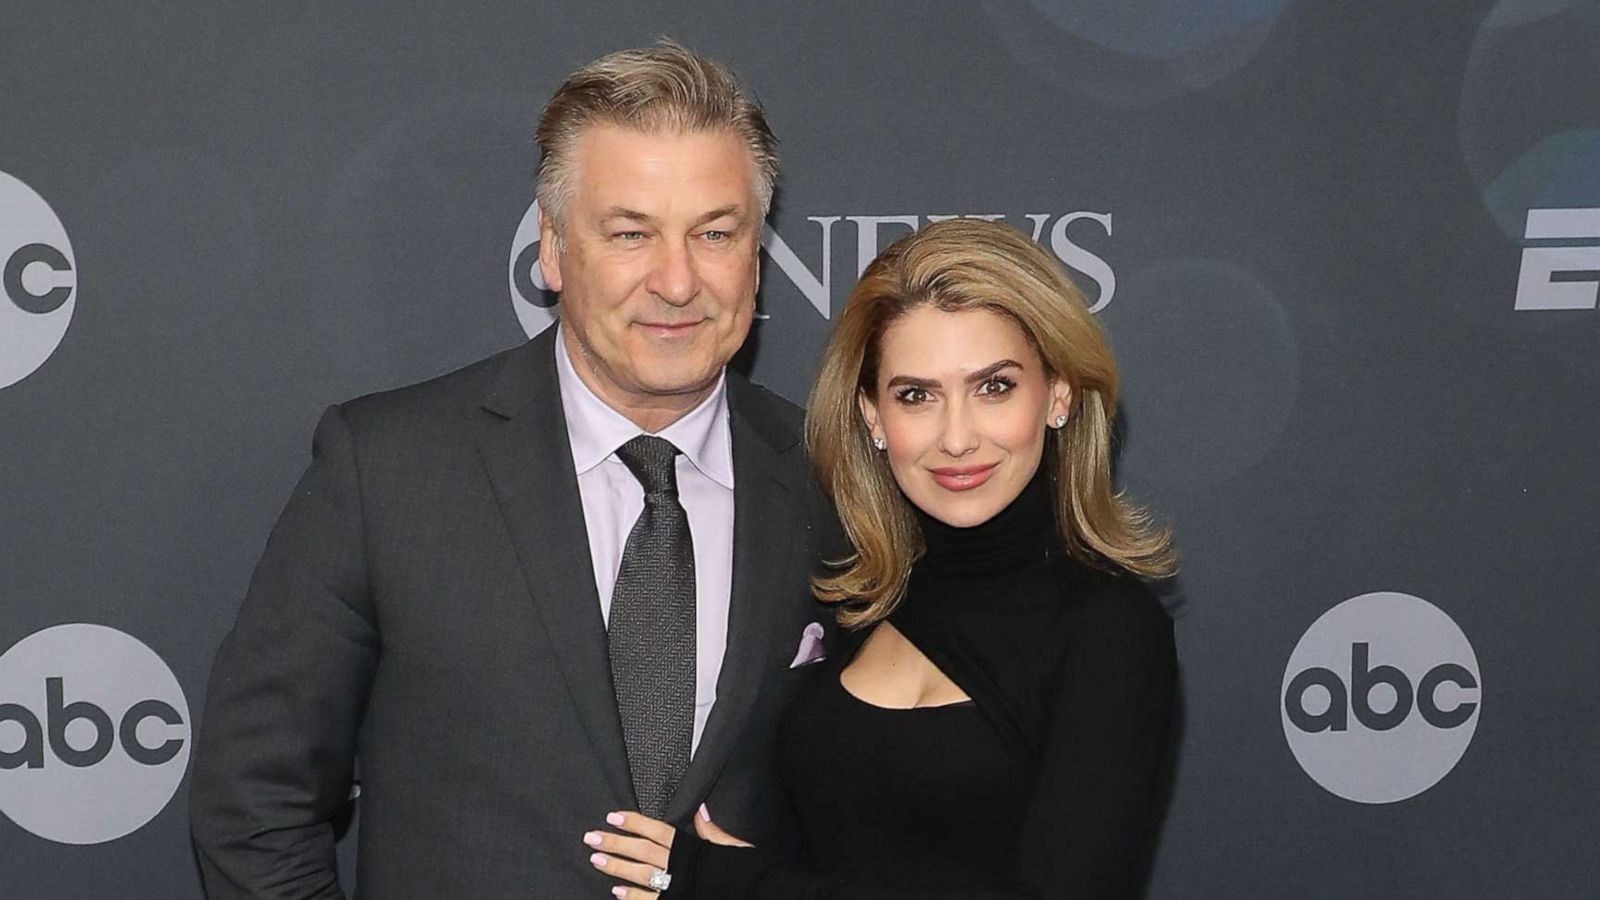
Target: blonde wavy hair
x=955, y=265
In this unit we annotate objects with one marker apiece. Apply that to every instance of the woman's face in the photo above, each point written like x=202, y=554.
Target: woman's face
x=962, y=402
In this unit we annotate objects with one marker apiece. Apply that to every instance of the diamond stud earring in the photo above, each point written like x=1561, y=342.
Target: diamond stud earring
x=1061, y=421
x=880, y=443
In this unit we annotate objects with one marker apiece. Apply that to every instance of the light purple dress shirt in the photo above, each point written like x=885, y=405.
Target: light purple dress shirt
x=613, y=499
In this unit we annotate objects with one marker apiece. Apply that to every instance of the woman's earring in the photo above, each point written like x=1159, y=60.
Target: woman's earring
x=880, y=443
x=1061, y=420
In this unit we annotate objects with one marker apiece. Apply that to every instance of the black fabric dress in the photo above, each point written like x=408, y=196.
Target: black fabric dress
x=1044, y=785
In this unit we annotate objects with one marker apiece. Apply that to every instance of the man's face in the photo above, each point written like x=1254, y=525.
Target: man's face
x=659, y=267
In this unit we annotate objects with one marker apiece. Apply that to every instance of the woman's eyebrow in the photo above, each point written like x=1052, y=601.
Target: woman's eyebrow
x=983, y=374
x=913, y=381
x=989, y=371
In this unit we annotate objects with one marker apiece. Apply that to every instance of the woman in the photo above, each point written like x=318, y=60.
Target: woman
x=996, y=721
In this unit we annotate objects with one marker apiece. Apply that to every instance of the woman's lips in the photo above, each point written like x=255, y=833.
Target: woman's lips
x=962, y=478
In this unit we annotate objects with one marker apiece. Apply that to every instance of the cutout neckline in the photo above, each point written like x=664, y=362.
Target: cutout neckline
x=966, y=701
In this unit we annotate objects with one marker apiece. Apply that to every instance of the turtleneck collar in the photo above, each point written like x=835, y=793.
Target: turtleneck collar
x=1021, y=535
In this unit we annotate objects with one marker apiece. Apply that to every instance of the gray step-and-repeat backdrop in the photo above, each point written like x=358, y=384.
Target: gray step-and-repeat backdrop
x=1348, y=254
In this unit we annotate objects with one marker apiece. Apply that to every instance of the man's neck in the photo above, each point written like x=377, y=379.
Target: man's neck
x=651, y=412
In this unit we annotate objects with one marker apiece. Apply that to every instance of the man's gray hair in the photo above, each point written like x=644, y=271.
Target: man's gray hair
x=662, y=88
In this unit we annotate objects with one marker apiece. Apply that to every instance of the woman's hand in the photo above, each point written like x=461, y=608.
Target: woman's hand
x=644, y=848
x=634, y=856
x=708, y=830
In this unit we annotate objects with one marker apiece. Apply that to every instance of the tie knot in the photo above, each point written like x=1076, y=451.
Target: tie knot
x=653, y=461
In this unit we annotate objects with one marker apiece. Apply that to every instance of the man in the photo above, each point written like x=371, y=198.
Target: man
x=562, y=581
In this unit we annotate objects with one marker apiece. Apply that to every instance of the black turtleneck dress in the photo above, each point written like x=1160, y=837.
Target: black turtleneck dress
x=1044, y=784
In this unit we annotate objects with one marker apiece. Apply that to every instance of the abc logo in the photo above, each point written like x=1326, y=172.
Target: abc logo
x=38, y=280
x=94, y=734
x=535, y=308
x=1381, y=697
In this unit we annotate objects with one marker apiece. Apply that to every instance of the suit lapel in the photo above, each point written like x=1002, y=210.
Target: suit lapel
x=530, y=468
x=763, y=536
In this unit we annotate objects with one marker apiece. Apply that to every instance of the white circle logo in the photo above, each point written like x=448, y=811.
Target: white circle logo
x=94, y=734
x=1381, y=697
x=530, y=298
x=39, y=285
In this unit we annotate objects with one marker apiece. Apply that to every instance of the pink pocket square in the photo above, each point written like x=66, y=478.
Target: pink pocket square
x=810, y=647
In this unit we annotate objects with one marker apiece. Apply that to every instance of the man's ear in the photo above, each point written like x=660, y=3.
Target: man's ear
x=869, y=414
x=757, y=289
x=761, y=225
x=549, y=253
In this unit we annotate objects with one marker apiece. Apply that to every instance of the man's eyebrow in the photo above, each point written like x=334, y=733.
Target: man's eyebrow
x=622, y=212
x=983, y=374
x=729, y=210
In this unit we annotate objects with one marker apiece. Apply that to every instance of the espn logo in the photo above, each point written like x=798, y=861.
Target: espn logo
x=1563, y=270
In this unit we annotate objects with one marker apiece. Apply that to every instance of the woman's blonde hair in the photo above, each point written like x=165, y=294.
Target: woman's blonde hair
x=954, y=265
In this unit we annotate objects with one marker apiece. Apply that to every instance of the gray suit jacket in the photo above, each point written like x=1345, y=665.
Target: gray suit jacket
x=426, y=606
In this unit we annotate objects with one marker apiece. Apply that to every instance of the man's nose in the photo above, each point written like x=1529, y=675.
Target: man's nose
x=673, y=277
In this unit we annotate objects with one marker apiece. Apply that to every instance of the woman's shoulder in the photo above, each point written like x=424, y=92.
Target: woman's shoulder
x=1111, y=603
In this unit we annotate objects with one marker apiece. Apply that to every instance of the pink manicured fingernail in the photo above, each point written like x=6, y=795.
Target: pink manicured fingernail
x=592, y=839
x=705, y=814
x=615, y=819
x=619, y=892
x=599, y=860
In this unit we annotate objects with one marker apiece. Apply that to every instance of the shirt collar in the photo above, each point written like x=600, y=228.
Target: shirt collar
x=595, y=430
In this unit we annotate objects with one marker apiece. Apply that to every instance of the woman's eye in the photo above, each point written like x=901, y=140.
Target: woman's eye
x=995, y=386
x=912, y=396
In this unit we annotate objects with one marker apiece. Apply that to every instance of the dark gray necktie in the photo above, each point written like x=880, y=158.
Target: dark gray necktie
x=651, y=629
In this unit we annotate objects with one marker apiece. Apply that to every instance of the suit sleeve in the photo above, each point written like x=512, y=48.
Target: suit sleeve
x=277, y=741
x=1090, y=825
